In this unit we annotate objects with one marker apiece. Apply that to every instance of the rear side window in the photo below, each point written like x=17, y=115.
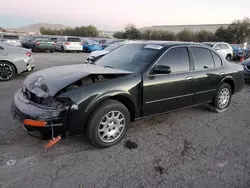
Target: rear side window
x=202, y=58
x=224, y=46
x=217, y=60
x=177, y=59
x=13, y=37
x=73, y=40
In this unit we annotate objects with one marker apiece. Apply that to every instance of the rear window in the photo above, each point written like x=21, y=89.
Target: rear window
x=10, y=37
x=42, y=39
x=73, y=40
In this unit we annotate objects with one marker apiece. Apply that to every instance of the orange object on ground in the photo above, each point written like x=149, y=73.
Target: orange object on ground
x=242, y=59
x=52, y=142
x=34, y=123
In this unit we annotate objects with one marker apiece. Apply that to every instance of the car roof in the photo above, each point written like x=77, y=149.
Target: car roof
x=167, y=43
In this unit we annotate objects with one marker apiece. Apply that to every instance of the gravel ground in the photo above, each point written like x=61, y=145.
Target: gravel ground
x=188, y=148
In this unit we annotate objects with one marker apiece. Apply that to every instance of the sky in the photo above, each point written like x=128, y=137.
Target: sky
x=113, y=15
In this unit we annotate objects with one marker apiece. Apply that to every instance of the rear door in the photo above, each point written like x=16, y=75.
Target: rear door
x=166, y=92
x=208, y=73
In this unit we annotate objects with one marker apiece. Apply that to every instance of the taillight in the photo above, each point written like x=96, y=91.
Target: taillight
x=53, y=44
x=28, y=54
x=37, y=43
x=67, y=43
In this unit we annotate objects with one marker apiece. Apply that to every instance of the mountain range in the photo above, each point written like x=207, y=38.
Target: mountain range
x=36, y=27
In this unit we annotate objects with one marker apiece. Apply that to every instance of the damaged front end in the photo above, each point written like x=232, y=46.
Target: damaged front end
x=41, y=115
x=42, y=104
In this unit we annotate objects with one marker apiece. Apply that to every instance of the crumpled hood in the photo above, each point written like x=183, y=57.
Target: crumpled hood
x=57, y=78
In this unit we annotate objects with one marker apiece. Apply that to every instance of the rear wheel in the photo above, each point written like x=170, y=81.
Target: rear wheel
x=52, y=51
x=62, y=49
x=7, y=71
x=228, y=58
x=222, y=98
x=108, y=124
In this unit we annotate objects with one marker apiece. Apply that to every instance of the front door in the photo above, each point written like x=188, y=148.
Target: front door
x=166, y=92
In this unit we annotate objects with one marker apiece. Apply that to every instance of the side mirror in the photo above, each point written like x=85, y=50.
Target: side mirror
x=217, y=48
x=161, y=69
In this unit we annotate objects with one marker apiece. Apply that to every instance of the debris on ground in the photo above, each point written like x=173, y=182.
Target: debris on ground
x=159, y=169
x=222, y=164
x=186, y=147
x=130, y=144
x=11, y=162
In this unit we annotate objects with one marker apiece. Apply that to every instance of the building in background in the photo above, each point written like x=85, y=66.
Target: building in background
x=178, y=28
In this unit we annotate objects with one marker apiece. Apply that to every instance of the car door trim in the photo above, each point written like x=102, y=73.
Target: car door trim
x=169, y=98
x=200, y=92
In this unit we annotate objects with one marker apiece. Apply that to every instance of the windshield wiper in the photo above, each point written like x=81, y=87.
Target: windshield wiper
x=109, y=67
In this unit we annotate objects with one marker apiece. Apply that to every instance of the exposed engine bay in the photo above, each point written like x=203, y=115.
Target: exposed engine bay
x=55, y=101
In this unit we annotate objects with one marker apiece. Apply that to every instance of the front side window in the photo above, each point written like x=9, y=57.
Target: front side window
x=131, y=57
x=177, y=59
x=202, y=58
x=217, y=46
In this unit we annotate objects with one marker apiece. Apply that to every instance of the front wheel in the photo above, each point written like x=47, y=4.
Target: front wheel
x=222, y=98
x=108, y=124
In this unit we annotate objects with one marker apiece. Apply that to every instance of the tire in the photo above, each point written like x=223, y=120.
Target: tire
x=7, y=71
x=227, y=90
x=62, y=49
x=107, y=108
x=52, y=51
x=33, y=49
x=228, y=58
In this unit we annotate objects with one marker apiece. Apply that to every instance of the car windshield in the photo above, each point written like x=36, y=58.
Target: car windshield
x=114, y=46
x=131, y=57
x=44, y=39
x=73, y=39
x=12, y=37
x=92, y=42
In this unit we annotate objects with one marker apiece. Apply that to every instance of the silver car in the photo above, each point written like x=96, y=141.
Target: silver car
x=14, y=60
x=10, y=39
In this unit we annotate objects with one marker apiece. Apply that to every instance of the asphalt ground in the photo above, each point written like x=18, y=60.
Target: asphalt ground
x=187, y=148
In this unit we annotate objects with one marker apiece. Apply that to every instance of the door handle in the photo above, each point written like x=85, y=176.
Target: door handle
x=189, y=78
x=222, y=73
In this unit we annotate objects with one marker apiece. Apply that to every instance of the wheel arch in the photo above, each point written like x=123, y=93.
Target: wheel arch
x=122, y=97
x=16, y=72
x=229, y=80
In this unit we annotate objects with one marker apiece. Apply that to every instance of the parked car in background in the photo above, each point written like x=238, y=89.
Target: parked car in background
x=135, y=81
x=90, y=45
x=26, y=40
x=10, y=39
x=246, y=65
x=239, y=52
x=224, y=49
x=94, y=56
x=14, y=60
x=65, y=44
x=41, y=43
x=54, y=39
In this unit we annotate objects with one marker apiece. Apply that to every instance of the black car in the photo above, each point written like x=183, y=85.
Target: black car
x=135, y=81
x=246, y=65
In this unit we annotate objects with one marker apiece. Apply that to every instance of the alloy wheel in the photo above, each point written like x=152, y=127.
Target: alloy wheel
x=224, y=97
x=111, y=126
x=6, y=71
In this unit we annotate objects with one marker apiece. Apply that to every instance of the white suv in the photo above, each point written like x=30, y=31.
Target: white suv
x=11, y=39
x=64, y=44
x=223, y=48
